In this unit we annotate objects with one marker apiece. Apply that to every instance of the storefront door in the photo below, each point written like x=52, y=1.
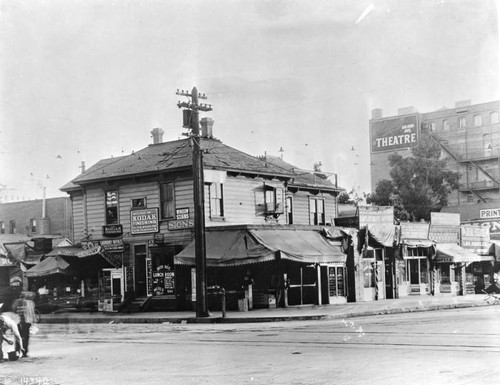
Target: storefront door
x=140, y=271
x=303, y=286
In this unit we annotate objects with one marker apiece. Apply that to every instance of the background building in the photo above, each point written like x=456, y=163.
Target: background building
x=469, y=136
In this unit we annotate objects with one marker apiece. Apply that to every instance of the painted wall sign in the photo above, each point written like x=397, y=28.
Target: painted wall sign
x=489, y=213
x=112, y=230
x=180, y=224
x=392, y=134
x=144, y=221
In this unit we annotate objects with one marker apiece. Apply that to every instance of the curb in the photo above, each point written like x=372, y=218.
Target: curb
x=236, y=320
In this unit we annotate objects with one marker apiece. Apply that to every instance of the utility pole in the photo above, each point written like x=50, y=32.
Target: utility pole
x=192, y=113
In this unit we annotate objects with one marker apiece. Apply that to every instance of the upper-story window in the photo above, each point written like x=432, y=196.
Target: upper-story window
x=289, y=210
x=167, y=198
x=214, y=199
x=138, y=203
x=2, y=227
x=273, y=197
x=477, y=121
x=446, y=125
x=461, y=122
x=432, y=127
x=494, y=117
x=33, y=225
x=317, y=211
x=111, y=207
x=12, y=227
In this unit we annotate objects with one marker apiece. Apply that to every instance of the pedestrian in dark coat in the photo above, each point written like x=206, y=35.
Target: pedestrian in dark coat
x=24, y=306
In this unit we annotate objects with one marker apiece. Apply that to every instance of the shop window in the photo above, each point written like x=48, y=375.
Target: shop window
x=494, y=117
x=167, y=197
x=12, y=227
x=317, y=211
x=273, y=199
x=214, y=199
x=33, y=225
x=289, y=210
x=477, y=121
x=461, y=122
x=417, y=266
x=446, y=125
x=111, y=207
x=2, y=228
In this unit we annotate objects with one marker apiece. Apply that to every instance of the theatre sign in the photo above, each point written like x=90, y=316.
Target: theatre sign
x=392, y=134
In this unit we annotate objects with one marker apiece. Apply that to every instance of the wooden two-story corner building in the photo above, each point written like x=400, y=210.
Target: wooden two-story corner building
x=140, y=208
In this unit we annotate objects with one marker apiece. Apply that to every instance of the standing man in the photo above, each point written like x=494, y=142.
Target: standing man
x=25, y=308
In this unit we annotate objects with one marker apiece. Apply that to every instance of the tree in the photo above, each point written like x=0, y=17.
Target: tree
x=420, y=184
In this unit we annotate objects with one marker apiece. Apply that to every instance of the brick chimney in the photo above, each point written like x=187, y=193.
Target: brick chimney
x=157, y=134
x=206, y=127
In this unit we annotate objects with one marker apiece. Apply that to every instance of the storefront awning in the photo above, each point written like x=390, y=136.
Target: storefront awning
x=227, y=248
x=49, y=266
x=418, y=243
x=300, y=245
x=71, y=251
x=453, y=253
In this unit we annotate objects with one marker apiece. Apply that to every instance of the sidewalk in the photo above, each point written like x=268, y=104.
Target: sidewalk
x=295, y=313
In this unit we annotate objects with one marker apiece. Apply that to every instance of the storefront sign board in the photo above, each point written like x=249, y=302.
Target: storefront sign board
x=489, y=213
x=180, y=224
x=144, y=221
x=112, y=230
x=414, y=230
x=475, y=239
x=372, y=215
x=444, y=234
x=445, y=219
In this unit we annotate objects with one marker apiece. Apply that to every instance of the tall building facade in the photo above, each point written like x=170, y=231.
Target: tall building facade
x=468, y=134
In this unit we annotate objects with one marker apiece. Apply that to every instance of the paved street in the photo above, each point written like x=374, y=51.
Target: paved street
x=459, y=346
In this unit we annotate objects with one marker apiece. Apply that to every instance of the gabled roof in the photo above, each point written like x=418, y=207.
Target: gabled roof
x=176, y=155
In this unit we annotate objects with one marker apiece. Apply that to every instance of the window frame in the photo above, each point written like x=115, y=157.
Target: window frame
x=167, y=201
x=446, y=125
x=12, y=227
x=462, y=122
x=313, y=215
x=477, y=120
x=494, y=117
x=2, y=227
x=111, y=209
x=215, y=199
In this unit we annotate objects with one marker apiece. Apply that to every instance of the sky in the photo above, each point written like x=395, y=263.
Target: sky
x=83, y=80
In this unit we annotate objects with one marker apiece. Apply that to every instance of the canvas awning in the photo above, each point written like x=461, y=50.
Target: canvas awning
x=418, y=243
x=50, y=265
x=300, y=245
x=71, y=251
x=227, y=248
x=453, y=253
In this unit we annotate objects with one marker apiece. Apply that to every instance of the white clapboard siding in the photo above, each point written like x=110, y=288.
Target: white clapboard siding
x=95, y=204
x=78, y=217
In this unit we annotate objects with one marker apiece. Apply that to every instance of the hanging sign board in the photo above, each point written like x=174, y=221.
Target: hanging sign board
x=144, y=221
x=414, y=230
x=374, y=215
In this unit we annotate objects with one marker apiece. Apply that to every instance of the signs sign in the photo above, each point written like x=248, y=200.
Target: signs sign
x=180, y=224
x=392, y=134
x=144, y=221
x=445, y=219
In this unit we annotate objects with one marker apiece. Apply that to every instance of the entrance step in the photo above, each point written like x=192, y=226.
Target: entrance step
x=136, y=305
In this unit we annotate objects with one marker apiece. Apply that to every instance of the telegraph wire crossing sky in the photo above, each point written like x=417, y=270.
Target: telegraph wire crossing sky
x=87, y=80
